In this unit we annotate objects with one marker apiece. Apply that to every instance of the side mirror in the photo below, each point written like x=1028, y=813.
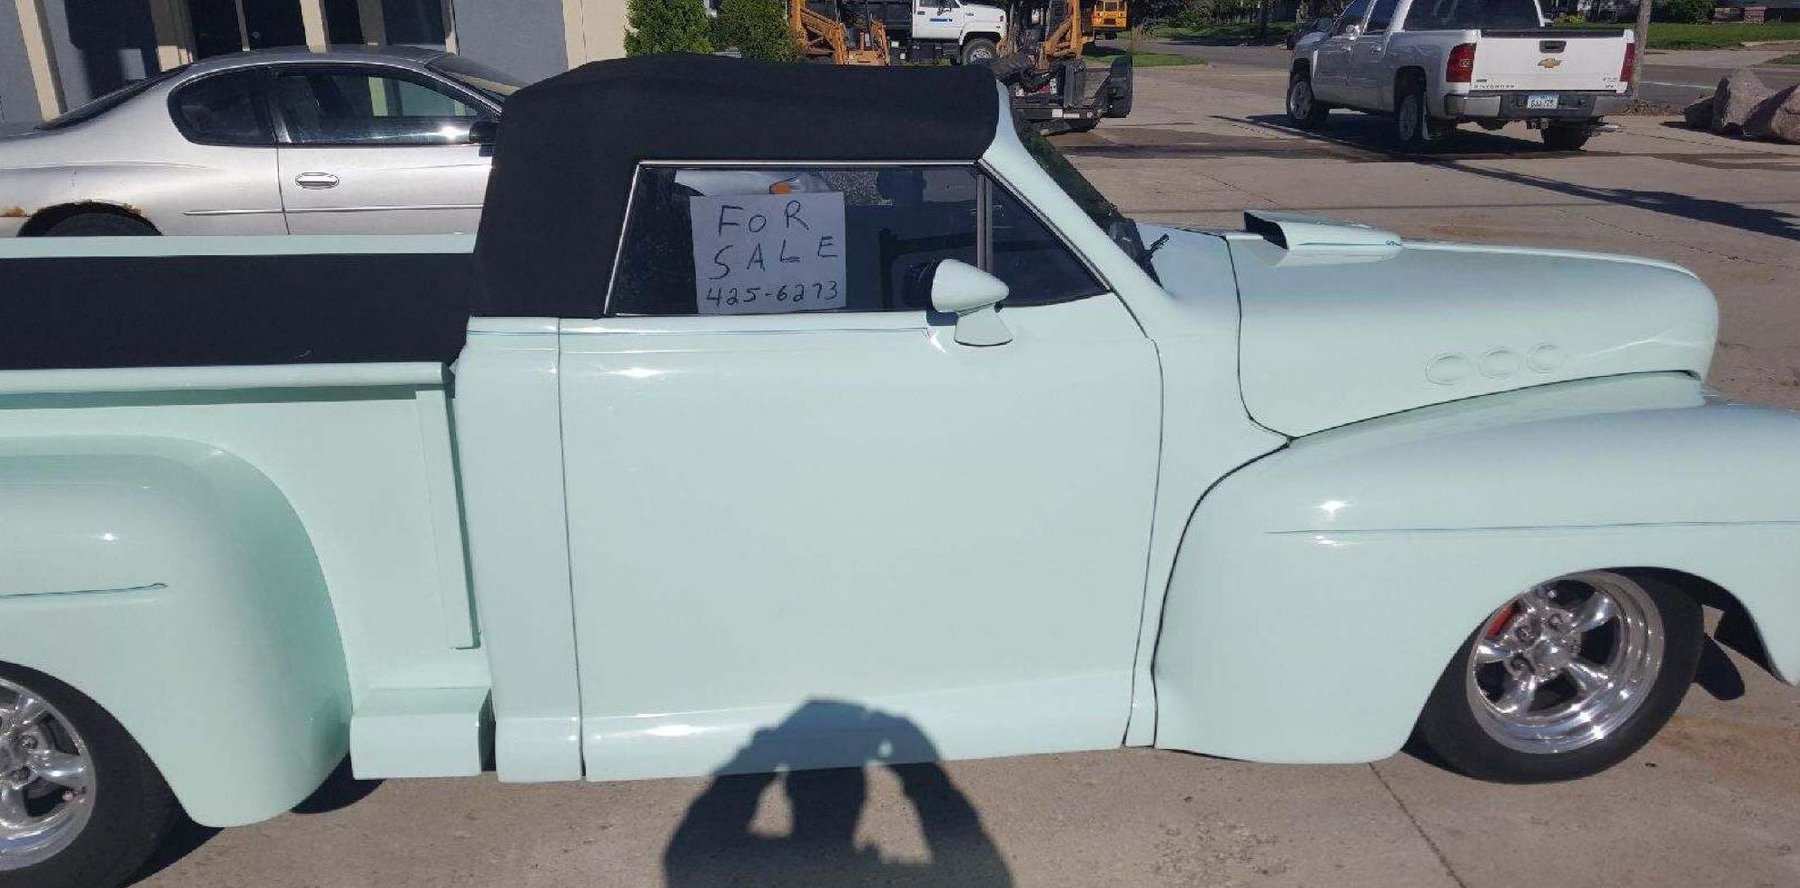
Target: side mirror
x=1353, y=30
x=484, y=131
x=972, y=295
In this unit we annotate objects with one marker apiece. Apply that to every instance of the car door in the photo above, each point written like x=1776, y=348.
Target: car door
x=225, y=179
x=1370, y=73
x=788, y=482
x=1331, y=61
x=935, y=20
x=377, y=150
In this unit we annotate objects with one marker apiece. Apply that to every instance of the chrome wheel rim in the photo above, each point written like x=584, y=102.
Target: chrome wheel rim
x=1564, y=665
x=1300, y=100
x=1408, y=118
x=46, y=779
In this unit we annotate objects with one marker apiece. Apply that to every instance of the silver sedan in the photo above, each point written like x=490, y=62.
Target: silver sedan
x=354, y=140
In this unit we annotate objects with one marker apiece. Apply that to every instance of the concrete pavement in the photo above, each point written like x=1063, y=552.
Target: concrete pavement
x=1714, y=801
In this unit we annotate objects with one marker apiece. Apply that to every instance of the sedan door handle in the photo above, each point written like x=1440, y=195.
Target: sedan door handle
x=316, y=180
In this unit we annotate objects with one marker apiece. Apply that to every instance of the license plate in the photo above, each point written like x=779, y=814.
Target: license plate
x=1541, y=101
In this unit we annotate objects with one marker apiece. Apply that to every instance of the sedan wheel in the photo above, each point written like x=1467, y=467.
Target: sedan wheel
x=1566, y=679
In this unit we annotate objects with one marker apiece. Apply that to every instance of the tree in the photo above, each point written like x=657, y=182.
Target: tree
x=758, y=28
x=653, y=26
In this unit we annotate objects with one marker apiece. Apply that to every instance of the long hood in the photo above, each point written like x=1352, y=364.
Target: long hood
x=1342, y=323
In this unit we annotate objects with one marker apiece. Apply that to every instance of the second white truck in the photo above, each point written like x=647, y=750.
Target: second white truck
x=1432, y=64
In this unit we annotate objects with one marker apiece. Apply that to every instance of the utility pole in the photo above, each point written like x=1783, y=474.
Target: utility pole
x=1643, y=40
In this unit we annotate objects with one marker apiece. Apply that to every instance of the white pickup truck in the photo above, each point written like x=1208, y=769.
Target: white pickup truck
x=1432, y=64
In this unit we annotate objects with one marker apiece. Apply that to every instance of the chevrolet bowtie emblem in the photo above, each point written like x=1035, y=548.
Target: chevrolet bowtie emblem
x=1549, y=63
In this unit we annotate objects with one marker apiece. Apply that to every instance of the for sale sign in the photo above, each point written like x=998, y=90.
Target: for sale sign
x=765, y=253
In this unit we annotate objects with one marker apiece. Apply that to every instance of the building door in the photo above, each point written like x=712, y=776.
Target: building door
x=225, y=26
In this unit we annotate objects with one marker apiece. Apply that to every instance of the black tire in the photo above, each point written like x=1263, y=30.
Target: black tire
x=1414, y=128
x=1566, y=138
x=100, y=225
x=1451, y=728
x=978, y=51
x=1304, y=108
x=133, y=807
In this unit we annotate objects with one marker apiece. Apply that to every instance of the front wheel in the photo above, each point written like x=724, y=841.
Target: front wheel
x=1303, y=107
x=1565, y=680
x=979, y=51
x=81, y=806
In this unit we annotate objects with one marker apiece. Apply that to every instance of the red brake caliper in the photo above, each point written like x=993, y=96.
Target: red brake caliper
x=1500, y=620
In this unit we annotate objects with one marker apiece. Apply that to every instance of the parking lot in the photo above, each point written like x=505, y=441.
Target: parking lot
x=1715, y=800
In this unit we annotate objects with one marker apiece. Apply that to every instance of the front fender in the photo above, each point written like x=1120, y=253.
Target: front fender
x=1320, y=591
x=172, y=583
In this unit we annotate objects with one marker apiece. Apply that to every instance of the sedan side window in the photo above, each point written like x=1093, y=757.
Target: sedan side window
x=222, y=110
x=346, y=107
x=712, y=240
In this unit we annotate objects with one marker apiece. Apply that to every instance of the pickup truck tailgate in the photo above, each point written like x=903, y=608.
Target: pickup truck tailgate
x=1549, y=60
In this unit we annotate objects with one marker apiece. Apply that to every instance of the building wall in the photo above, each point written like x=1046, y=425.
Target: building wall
x=596, y=29
x=524, y=38
x=99, y=47
x=18, y=92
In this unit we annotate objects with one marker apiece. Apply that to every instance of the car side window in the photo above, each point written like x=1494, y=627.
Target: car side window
x=715, y=240
x=223, y=109
x=350, y=107
x=1382, y=17
x=1353, y=15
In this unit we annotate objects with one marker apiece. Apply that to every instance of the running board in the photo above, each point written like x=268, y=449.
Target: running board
x=421, y=732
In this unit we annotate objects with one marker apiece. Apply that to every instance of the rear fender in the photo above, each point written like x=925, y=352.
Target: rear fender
x=172, y=583
x=1320, y=591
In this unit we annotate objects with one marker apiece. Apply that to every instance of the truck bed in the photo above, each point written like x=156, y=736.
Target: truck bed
x=190, y=302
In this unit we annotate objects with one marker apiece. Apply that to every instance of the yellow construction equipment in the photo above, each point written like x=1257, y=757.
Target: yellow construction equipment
x=846, y=36
x=1108, y=18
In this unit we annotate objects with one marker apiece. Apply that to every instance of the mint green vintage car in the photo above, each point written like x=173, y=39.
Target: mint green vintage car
x=764, y=385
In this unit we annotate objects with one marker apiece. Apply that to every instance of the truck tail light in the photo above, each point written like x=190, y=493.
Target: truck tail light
x=1461, y=67
x=1629, y=69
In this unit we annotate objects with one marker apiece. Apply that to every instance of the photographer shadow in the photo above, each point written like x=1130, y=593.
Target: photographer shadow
x=714, y=845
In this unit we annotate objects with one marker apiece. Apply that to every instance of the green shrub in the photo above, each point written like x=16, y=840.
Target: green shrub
x=1571, y=19
x=758, y=28
x=653, y=26
x=1687, y=11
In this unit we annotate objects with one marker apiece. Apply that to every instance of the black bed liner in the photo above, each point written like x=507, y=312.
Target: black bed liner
x=197, y=311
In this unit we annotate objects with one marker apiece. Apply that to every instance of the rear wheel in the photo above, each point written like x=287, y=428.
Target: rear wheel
x=99, y=225
x=1414, y=128
x=1303, y=108
x=81, y=806
x=1565, y=680
x=979, y=50
x=1566, y=138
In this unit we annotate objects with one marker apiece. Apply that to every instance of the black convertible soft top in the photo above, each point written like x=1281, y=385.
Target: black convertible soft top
x=555, y=205
x=569, y=146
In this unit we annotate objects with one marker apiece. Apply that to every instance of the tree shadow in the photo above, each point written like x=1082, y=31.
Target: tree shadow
x=714, y=845
x=340, y=790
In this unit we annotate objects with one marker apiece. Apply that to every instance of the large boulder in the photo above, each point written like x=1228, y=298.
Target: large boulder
x=1776, y=117
x=1739, y=94
x=1699, y=114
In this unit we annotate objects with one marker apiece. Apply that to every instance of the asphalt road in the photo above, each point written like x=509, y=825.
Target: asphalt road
x=1669, y=78
x=1714, y=800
